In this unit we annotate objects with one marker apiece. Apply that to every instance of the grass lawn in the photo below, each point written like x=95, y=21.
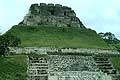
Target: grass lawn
x=57, y=37
x=13, y=67
x=116, y=62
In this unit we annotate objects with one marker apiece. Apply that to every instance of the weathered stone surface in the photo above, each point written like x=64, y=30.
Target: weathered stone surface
x=71, y=63
x=78, y=75
x=64, y=67
x=43, y=50
x=51, y=15
x=37, y=68
x=46, y=63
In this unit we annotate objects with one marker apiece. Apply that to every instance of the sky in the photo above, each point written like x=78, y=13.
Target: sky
x=99, y=15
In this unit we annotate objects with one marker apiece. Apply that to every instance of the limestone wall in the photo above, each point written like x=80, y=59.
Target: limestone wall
x=51, y=15
x=51, y=9
x=71, y=63
x=62, y=66
x=43, y=50
x=37, y=68
x=78, y=75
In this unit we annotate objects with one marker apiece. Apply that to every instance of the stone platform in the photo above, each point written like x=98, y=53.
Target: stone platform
x=64, y=67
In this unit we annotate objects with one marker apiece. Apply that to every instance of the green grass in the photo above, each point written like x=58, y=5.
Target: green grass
x=57, y=37
x=13, y=67
x=116, y=62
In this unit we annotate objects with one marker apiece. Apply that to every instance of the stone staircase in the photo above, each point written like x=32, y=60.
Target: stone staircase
x=53, y=67
x=105, y=65
x=37, y=68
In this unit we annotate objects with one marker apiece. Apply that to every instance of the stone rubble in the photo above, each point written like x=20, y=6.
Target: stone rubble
x=46, y=63
x=51, y=15
x=43, y=50
x=64, y=67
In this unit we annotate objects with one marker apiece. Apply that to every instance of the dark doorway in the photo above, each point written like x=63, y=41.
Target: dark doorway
x=65, y=13
x=52, y=12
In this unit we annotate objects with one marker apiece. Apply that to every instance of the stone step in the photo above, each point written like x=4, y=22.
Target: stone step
x=37, y=64
x=37, y=67
x=109, y=71
x=104, y=64
x=105, y=67
x=102, y=61
x=37, y=61
x=36, y=77
x=116, y=77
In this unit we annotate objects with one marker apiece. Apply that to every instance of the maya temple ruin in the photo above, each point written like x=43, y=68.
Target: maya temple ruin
x=54, y=63
x=45, y=63
x=51, y=15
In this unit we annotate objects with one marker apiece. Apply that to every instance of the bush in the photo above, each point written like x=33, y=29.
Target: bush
x=7, y=40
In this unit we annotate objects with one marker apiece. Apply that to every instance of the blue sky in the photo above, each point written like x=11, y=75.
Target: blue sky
x=99, y=15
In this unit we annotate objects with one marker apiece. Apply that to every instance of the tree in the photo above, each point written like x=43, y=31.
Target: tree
x=109, y=38
x=3, y=46
x=6, y=41
x=12, y=40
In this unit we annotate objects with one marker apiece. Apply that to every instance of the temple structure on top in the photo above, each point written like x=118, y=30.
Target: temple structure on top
x=51, y=15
